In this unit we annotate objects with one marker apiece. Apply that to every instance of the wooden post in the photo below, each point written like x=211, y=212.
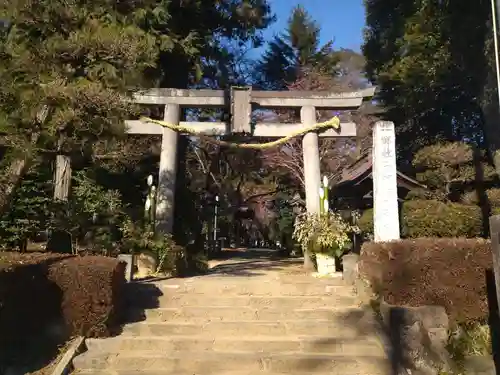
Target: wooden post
x=62, y=177
x=60, y=241
x=495, y=250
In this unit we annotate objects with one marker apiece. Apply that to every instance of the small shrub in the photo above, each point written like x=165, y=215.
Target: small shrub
x=191, y=263
x=448, y=272
x=30, y=208
x=469, y=340
x=419, y=194
x=493, y=195
x=365, y=222
x=92, y=216
x=92, y=294
x=428, y=218
x=446, y=168
x=170, y=256
x=327, y=233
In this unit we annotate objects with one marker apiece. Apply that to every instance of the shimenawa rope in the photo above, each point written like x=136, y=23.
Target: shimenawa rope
x=333, y=123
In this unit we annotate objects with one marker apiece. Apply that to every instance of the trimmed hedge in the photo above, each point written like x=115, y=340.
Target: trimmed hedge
x=28, y=299
x=39, y=289
x=365, y=222
x=430, y=218
x=448, y=272
x=92, y=294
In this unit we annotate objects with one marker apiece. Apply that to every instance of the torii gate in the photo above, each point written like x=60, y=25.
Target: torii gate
x=242, y=99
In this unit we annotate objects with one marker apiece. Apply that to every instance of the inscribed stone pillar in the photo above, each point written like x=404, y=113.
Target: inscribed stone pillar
x=310, y=151
x=385, y=190
x=167, y=172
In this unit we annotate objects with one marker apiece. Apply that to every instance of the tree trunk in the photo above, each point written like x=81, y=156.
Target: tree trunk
x=496, y=161
x=489, y=104
x=10, y=181
x=491, y=121
x=18, y=167
x=15, y=172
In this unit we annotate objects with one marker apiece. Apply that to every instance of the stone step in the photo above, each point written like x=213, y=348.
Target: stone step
x=369, y=371
x=308, y=278
x=244, y=287
x=310, y=344
x=215, y=300
x=215, y=363
x=336, y=328
x=208, y=372
x=201, y=314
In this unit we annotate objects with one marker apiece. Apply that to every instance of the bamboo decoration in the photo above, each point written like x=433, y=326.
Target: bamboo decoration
x=323, y=197
x=150, y=204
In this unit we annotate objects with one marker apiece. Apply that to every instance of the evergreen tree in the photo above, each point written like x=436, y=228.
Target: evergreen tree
x=450, y=169
x=430, y=61
x=212, y=36
x=67, y=69
x=294, y=52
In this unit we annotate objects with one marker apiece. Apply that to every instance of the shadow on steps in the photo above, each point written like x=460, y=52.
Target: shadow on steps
x=252, y=262
x=140, y=296
x=368, y=329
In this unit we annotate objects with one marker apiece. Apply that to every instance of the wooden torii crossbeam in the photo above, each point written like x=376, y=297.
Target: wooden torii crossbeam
x=241, y=101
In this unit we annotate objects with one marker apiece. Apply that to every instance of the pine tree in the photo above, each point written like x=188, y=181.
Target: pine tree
x=72, y=64
x=294, y=52
x=219, y=33
x=67, y=69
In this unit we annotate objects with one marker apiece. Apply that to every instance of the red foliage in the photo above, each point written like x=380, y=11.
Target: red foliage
x=92, y=294
x=448, y=272
x=38, y=289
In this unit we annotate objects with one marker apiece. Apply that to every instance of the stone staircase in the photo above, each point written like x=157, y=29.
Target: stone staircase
x=251, y=316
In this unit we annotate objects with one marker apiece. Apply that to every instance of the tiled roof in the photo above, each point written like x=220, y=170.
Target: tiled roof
x=358, y=169
x=362, y=168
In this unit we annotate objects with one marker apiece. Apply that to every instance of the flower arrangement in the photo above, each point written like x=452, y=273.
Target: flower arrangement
x=324, y=233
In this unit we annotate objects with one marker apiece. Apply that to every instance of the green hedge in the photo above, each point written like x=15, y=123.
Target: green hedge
x=427, y=218
x=365, y=222
x=430, y=218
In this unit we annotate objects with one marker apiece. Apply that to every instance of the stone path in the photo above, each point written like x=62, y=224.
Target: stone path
x=253, y=315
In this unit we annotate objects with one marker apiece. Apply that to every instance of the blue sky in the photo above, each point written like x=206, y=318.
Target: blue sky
x=341, y=20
